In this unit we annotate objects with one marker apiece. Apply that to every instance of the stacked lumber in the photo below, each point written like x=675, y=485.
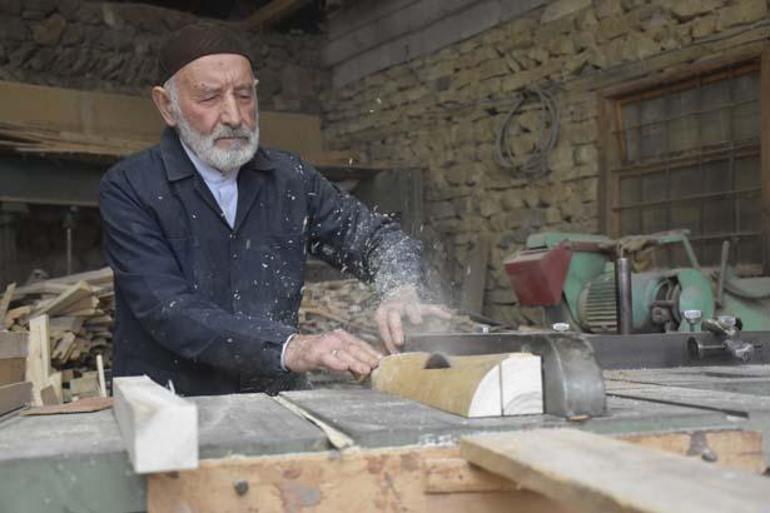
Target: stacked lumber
x=79, y=309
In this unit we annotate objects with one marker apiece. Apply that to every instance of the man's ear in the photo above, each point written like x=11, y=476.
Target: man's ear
x=162, y=101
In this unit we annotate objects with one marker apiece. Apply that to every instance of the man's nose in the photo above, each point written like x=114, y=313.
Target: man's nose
x=231, y=115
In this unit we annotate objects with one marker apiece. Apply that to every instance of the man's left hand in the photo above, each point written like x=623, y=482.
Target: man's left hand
x=403, y=302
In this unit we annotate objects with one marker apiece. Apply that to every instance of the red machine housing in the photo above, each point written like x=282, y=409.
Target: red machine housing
x=537, y=275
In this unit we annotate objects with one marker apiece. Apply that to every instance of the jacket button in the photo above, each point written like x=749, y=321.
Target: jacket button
x=235, y=256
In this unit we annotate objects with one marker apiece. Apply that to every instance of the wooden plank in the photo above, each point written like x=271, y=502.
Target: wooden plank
x=12, y=370
x=6, y=299
x=596, y=473
x=38, y=358
x=389, y=480
x=13, y=344
x=272, y=13
x=159, y=429
x=71, y=297
x=731, y=448
x=14, y=396
x=473, y=386
x=88, y=405
x=75, y=115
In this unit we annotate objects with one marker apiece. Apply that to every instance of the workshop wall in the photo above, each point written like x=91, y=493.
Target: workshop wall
x=441, y=112
x=113, y=47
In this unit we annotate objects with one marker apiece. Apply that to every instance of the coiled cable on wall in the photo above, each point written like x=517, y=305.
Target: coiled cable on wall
x=537, y=163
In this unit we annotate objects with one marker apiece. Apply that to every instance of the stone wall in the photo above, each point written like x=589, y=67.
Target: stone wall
x=441, y=113
x=113, y=47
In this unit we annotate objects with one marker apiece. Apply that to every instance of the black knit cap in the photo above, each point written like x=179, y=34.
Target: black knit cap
x=194, y=41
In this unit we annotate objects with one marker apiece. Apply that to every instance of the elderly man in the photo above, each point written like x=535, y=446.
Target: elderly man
x=208, y=235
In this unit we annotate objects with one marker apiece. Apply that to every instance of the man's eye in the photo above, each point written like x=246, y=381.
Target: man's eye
x=208, y=99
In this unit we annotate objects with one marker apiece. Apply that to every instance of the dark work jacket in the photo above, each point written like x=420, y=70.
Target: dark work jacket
x=209, y=307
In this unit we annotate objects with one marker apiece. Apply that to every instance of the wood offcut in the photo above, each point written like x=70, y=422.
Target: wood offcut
x=472, y=386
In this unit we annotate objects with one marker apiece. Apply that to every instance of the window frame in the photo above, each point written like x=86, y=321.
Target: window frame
x=662, y=83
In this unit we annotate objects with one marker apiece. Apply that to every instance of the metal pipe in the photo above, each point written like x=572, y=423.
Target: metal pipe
x=623, y=295
x=69, y=250
x=722, y=272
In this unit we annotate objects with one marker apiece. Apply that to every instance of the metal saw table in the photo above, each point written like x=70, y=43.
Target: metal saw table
x=77, y=463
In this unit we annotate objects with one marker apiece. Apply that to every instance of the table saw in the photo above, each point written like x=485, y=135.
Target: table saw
x=78, y=463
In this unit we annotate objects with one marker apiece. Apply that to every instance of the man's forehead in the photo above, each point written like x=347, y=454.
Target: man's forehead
x=216, y=69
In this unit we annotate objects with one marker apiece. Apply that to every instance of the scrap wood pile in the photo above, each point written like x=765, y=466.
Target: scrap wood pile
x=80, y=310
x=351, y=305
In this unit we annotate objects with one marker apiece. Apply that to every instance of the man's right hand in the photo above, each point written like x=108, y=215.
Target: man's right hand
x=337, y=351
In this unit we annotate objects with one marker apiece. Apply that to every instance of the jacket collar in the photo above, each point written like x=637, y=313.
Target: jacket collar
x=178, y=165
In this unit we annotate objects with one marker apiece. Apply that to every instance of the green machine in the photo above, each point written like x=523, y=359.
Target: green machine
x=600, y=285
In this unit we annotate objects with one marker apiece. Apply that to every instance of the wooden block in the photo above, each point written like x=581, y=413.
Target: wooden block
x=12, y=370
x=52, y=393
x=85, y=386
x=160, y=430
x=14, y=396
x=596, y=473
x=13, y=344
x=473, y=386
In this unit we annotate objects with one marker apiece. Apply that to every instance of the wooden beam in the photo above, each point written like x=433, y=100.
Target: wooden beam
x=272, y=13
x=404, y=479
x=369, y=481
x=594, y=473
x=473, y=386
x=159, y=429
x=53, y=120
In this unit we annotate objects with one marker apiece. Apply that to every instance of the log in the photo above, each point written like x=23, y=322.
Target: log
x=594, y=473
x=159, y=429
x=473, y=386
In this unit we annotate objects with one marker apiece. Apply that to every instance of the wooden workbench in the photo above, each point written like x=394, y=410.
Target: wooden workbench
x=77, y=462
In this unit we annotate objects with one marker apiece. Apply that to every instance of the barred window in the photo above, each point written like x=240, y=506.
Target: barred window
x=687, y=155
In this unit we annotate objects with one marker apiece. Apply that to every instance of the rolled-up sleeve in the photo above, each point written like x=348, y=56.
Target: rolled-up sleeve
x=152, y=283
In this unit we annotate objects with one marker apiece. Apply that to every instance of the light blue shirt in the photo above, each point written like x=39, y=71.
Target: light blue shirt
x=224, y=187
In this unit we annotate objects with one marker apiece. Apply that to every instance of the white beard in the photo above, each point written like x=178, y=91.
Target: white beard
x=204, y=145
